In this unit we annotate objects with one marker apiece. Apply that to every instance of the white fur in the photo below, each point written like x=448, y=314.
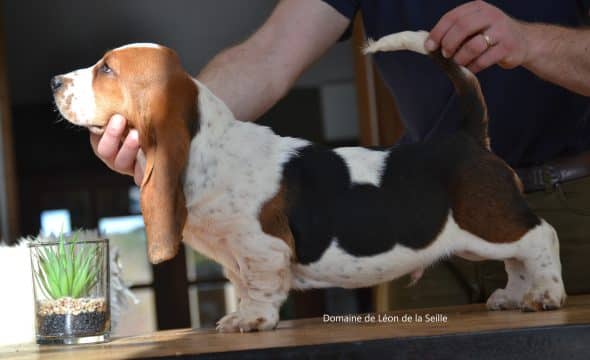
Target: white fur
x=532, y=264
x=337, y=268
x=233, y=168
x=76, y=101
x=139, y=45
x=405, y=40
x=365, y=165
x=533, y=267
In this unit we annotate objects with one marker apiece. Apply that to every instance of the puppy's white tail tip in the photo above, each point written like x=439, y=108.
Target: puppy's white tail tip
x=405, y=40
x=369, y=47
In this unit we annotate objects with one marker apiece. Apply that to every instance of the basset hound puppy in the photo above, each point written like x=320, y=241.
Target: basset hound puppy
x=281, y=213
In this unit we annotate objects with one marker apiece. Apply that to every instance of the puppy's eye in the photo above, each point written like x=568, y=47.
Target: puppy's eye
x=105, y=69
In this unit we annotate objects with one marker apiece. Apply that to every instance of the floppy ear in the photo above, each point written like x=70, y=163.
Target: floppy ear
x=165, y=139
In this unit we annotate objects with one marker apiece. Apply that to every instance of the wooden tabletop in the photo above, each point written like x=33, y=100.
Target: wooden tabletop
x=467, y=320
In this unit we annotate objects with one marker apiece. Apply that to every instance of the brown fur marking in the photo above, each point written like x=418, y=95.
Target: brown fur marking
x=274, y=221
x=487, y=201
x=152, y=91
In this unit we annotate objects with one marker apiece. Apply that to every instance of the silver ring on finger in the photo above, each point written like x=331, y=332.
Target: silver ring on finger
x=488, y=40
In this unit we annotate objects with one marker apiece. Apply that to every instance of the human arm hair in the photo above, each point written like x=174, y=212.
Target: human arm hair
x=559, y=55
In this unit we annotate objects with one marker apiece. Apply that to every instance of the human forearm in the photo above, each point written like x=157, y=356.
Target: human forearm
x=244, y=81
x=559, y=55
x=251, y=77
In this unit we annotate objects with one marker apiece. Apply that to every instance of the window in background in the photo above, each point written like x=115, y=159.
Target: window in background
x=211, y=295
x=134, y=207
x=127, y=234
x=55, y=222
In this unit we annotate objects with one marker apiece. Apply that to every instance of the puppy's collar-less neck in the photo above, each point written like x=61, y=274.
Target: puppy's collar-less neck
x=214, y=114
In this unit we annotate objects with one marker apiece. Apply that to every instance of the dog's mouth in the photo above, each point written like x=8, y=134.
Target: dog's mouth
x=95, y=129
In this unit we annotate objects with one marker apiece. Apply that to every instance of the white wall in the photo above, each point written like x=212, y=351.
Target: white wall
x=339, y=111
x=45, y=38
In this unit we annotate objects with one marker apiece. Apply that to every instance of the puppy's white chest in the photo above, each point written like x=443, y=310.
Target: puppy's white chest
x=205, y=236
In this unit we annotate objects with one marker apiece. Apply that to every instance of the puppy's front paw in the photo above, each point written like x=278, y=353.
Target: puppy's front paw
x=229, y=323
x=242, y=321
x=501, y=299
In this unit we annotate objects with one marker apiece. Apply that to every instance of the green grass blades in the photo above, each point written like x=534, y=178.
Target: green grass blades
x=68, y=268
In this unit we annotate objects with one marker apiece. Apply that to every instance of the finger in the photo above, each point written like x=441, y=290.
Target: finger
x=125, y=159
x=492, y=56
x=461, y=31
x=471, y=50
x=446, y=22
x=108, y=146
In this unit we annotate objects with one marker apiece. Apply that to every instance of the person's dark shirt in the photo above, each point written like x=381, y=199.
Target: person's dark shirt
x=531, y=121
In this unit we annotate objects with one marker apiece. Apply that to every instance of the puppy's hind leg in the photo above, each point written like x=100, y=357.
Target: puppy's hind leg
x=519, y=282
x=533, y=267
x=539, y=253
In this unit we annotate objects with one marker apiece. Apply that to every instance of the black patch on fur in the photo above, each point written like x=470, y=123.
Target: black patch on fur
x=316, y=179
x=410, y=207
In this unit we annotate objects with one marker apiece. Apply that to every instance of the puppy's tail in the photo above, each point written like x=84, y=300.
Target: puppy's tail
x=474, y=119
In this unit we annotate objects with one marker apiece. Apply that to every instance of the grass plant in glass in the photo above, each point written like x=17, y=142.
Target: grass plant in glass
x=71, y=282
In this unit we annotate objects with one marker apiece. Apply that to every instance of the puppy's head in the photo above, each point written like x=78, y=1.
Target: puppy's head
x=148, y=86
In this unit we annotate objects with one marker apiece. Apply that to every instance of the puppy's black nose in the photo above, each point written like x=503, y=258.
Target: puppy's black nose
x=56, y=83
